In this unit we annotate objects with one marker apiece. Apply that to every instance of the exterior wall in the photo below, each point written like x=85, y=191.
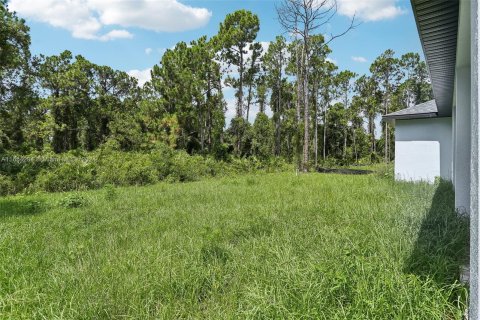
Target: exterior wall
x=474, y=308
x=423, y=149
x=454, y=129
x=462, y=140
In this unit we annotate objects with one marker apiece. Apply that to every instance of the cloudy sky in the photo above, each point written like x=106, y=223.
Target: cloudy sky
x=131, y=35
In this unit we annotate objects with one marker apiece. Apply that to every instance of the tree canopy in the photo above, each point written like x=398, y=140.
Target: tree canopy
x=291, y=101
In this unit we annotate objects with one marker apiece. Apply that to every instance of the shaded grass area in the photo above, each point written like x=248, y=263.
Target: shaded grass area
x=270, y=246
x=443, y=233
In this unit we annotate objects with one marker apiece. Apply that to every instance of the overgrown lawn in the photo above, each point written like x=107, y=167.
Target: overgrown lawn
x=271, y=246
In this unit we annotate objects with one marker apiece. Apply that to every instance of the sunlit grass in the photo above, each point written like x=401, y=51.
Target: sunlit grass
x=272, y=246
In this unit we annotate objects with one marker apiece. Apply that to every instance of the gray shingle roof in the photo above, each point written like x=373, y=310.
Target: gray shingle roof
x=437, y=23
x=424, y=110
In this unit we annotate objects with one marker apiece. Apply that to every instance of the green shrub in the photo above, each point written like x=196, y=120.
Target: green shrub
x=213, y=167
x=126, y=168
x=73, y=201
x=161, y=157
x=6, y=185
x=108, y=166
x=329, y=162
x=375, y=157
x=386, y=171
x=188, y=168
x=240, y=165
x=217, y=168
x=222, y=152
x=139, y=171
x=109, y=169
x=279, y=165
x=71, y=175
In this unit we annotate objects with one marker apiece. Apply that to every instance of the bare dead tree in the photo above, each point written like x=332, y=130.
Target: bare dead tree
x=302, y=19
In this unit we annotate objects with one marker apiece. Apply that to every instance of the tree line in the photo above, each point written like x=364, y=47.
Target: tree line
x=308, y=111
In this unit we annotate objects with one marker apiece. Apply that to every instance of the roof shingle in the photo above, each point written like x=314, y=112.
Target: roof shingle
x=424, y=110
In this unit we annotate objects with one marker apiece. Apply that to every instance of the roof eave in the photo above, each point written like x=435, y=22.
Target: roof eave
x=411, y=116
x=432, y=17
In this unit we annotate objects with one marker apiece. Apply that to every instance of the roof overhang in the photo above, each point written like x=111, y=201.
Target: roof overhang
x=420, y=111
x=410, y=117
x=437, y=24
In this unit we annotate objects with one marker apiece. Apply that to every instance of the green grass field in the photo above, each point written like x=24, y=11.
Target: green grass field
x=271, y=246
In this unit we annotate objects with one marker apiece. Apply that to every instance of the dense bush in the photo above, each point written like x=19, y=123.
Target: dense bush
x=126, y=168
x=162, y=157
x=110, y=166
x=73, y=174
x=6, y=185
x=188, y=168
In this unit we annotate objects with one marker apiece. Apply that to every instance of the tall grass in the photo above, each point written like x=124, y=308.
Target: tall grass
x=272, y=246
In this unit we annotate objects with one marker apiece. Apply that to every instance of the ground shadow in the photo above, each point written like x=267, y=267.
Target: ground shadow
x=344, y=171
x=20, y=207
x=441, y=248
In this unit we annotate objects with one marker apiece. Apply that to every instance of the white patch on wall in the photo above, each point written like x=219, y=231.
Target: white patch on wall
x=438, y=130
x=417, y=160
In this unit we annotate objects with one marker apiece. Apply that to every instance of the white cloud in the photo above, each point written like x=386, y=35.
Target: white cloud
x=142, y=75
x=148, y=51
x=359, y=59
x=164, y=15
x=85, y=19
x=265, y=45
x=74, y=16
x=370, y=10
x=116, y=34
x=231, y=111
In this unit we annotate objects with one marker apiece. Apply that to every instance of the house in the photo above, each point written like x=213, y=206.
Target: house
x=423, y=143
x=441, y=137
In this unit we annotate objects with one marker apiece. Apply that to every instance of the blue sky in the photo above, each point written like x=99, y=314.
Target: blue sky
x=131, y=35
